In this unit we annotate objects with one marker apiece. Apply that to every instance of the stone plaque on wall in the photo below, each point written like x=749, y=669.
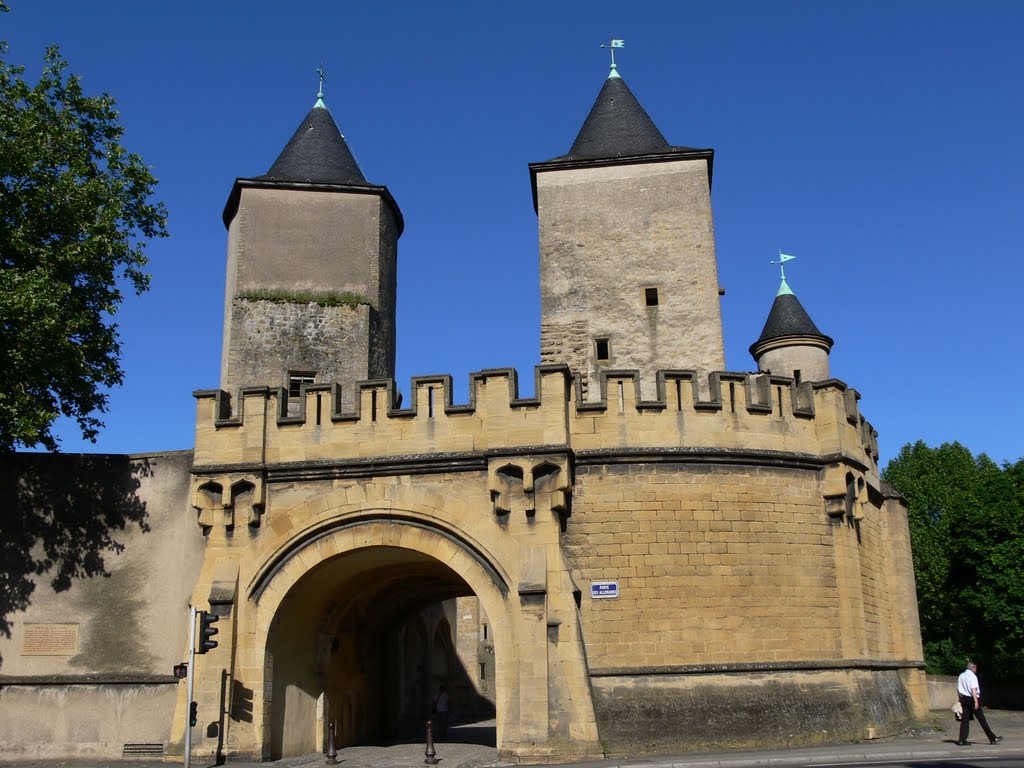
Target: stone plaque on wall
x=49, y=640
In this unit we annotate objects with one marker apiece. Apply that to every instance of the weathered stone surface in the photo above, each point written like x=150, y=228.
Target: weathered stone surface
x=606, y=235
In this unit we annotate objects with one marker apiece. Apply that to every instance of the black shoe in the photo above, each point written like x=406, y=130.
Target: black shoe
x=996, y=740
x=961, y=743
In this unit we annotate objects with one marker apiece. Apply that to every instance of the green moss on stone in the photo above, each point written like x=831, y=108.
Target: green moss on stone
x=323, y=298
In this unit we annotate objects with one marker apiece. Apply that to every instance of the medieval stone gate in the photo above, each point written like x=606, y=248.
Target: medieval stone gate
x=314, y=569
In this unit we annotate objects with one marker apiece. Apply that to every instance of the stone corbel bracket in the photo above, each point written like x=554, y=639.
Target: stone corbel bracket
x=218, y=499
x=845, y=491
x=529, y=484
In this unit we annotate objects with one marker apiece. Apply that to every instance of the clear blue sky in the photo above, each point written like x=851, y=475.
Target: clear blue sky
x=880, y=142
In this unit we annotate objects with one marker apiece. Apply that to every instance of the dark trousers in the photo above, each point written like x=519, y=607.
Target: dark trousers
x=440, y=726
x=967, y=702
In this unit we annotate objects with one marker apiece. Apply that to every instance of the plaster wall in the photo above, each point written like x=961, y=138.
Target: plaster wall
x=114, y=684
x=87, y=721
x=308, y=240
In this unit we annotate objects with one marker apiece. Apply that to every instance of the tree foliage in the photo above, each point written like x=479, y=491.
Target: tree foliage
x=966, y=518
x=75, y=216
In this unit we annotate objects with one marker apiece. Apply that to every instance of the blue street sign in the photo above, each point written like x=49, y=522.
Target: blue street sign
x=604, y=589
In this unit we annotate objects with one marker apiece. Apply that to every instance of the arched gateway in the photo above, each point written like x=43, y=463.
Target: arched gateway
x=313, y=609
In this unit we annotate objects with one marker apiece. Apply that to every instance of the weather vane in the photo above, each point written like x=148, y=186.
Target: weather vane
x=612, y=45
x=323, y=78
x=783, y=258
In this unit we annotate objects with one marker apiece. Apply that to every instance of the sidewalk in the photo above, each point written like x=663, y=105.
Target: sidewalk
x=468, y=748
x=919, y=744
x=923, y=743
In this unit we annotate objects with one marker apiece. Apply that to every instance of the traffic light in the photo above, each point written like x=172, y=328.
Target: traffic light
x=207, y=631
x=193, y=714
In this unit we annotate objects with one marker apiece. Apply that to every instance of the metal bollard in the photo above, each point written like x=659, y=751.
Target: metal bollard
x=332, y=753
x=431, y=758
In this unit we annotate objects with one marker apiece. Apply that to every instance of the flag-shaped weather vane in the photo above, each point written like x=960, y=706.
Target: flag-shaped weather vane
x=783, y=258
x=613, y=43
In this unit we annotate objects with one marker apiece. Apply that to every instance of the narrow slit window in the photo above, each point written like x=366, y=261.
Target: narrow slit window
x=483, y=671
x=603, y=352
x=485, y=631
x=296, y=381
x=796, y=375
x=651, y=297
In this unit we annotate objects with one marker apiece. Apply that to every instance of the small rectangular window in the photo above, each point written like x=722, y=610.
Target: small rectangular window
x=297, y=380
x=651, y=296
x=483, y=671
x=796, y=375
x=603, y=352
x=485, y=631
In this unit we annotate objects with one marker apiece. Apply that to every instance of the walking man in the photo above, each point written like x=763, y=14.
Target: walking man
x=969, y=690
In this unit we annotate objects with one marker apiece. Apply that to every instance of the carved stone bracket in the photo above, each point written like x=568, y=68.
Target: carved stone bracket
x=529, y=484
x=845, y=491
x=225, y=499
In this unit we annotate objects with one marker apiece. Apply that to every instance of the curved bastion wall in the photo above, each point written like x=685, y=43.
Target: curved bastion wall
x=762, y=570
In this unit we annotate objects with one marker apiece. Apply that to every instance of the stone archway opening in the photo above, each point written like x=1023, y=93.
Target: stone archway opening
x=363, y=640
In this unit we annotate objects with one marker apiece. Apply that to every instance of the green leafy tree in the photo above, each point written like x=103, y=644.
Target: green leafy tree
x=75, y=215
x=966, y=519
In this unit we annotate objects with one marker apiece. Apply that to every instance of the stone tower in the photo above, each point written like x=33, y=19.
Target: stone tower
x=627, y=251
x=311, y=276
x=791, y=344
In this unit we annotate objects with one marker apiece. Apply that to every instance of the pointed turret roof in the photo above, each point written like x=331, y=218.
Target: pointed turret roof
x=618, y=131
x=618, y=126
x=789, y=320
x=317, y=152
x=317, y=156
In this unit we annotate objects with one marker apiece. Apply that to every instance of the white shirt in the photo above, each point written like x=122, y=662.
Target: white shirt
x=967, y=684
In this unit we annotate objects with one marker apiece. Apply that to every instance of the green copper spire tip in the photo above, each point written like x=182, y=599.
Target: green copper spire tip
x=614, y=73
x=320, y=93
x=613, y=43
x=783, y=258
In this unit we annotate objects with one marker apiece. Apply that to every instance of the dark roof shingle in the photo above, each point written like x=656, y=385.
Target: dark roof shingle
x=788, y=318
x=316, y=153
x=618, y=126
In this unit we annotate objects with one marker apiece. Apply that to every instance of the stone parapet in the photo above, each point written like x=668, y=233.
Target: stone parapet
x=739, y=414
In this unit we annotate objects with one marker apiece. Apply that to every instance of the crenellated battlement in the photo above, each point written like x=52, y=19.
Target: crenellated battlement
x=722, y=411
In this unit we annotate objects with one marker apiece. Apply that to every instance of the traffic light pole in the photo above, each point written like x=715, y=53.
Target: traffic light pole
x=191, y=683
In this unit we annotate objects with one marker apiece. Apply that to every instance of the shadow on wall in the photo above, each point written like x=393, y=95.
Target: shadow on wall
x=59, y=516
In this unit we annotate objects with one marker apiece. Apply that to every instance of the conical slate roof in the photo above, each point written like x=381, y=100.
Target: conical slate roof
x=316, y=153
x=788, y=318
x=617, y=125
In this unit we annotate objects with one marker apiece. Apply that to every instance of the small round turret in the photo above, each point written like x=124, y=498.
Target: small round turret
x=791, y=344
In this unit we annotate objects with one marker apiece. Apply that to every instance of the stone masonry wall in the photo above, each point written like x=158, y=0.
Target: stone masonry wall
x=714, y=564
x=275, y=338
x=606, y=235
